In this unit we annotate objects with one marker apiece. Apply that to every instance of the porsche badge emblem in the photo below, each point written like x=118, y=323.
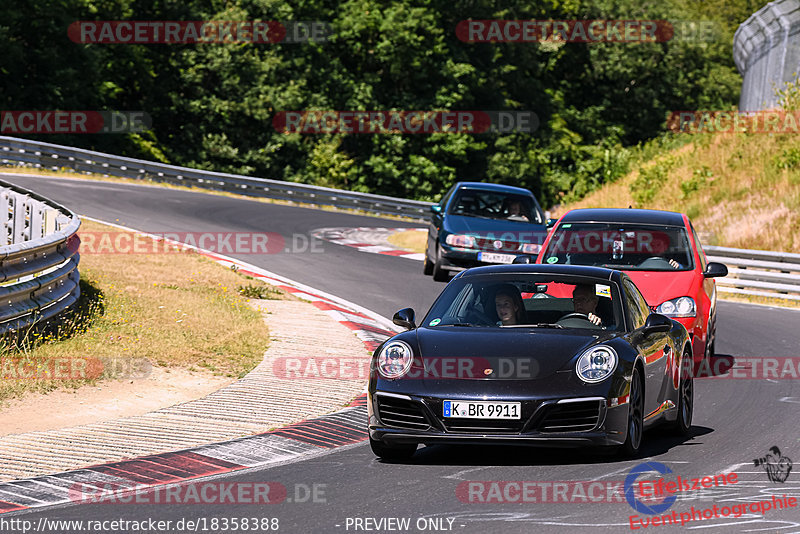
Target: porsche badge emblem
x=487, y=371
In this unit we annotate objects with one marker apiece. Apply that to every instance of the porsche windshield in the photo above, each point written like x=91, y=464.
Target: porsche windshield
x=627, y=247
x=528, y=301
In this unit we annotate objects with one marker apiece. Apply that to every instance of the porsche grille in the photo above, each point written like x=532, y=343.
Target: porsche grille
x=571, y=417
x=401, y=414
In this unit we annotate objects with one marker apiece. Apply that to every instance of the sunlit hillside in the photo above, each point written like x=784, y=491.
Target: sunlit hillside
x=740, y=190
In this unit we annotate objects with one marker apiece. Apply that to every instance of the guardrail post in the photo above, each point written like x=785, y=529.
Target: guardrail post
x=50, y=220
x=18, y=228
x=6, y=216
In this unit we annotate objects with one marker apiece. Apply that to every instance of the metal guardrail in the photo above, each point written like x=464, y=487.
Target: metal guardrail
x=38, y=258
x=752, y=272
x=758, y=272
x=49, y=156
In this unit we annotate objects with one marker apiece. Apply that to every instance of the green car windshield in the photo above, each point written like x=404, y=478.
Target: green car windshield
x=495, y=205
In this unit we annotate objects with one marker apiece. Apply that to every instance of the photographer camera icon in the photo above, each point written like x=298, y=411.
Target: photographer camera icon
x=777, y=466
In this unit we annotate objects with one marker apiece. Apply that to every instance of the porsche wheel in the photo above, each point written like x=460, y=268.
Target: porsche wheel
x=391, y=452
x=683, y=423
x=633, y=439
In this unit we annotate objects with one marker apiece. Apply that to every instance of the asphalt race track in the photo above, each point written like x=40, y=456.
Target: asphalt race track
x=735, y=421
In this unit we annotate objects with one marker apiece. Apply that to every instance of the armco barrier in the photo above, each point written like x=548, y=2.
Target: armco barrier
x=758, y=272
x=48, y=156
x=752, y=272
x=38, y=258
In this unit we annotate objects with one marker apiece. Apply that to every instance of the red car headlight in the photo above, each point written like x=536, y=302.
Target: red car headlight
x=678, y=307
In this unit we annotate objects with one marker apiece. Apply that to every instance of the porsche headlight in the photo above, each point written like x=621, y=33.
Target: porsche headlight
x=679, y=307
x=459, y=240
x=394, y=359
x=596, y=364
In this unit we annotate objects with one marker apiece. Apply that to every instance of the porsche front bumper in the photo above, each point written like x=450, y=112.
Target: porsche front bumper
x=567, y=422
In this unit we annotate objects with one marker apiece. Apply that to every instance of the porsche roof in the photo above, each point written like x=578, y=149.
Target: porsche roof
x=533, y=268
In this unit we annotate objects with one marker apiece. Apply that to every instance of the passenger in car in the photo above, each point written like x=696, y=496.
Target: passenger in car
x=509, y=306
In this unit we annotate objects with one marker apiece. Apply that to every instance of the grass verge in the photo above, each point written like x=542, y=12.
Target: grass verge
x=411, y=240
x=174, y=309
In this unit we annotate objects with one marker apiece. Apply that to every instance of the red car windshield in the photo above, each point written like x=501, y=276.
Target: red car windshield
x=627, y=247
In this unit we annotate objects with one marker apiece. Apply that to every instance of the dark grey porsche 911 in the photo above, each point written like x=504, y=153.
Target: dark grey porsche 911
x=548, y=355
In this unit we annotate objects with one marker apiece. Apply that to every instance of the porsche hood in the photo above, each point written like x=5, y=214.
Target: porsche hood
x=494, y=353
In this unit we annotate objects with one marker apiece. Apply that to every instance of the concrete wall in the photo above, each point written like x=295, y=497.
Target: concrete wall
x=766, y=49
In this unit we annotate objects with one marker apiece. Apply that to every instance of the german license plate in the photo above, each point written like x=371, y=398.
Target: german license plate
x=492, y=257
x=481, y=409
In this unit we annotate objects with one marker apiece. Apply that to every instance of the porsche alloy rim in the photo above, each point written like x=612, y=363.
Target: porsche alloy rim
x=635, y=423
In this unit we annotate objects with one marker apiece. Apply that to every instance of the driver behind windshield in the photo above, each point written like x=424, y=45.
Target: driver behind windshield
x=515, y=210
x=584, y=300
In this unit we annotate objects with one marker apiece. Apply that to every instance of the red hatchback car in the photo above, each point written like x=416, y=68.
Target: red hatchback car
x=659, y=250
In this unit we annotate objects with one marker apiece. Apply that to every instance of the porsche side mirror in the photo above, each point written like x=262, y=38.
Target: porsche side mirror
x=657, y=323
x=714, y=269
x=551, y=222
x=405, y=318
x=436, y=208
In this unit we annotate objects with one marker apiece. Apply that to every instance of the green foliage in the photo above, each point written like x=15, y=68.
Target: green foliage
x=601, y=107
x=647, y=183
x=260, y=291
x=789, y=95
x=650, y=179
x=789, y=159
x=700, y=178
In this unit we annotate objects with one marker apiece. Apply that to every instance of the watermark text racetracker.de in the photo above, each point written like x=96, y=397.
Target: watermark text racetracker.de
x=587, y=31
x=404, y=122
x=428, y=368
x=254, y=523
x=748, y=368
x=198, y=31
x=119, y=242
x=727, y=121
x=74, y=122
x=583, y=491
x=200, y=493
x=72, y=368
